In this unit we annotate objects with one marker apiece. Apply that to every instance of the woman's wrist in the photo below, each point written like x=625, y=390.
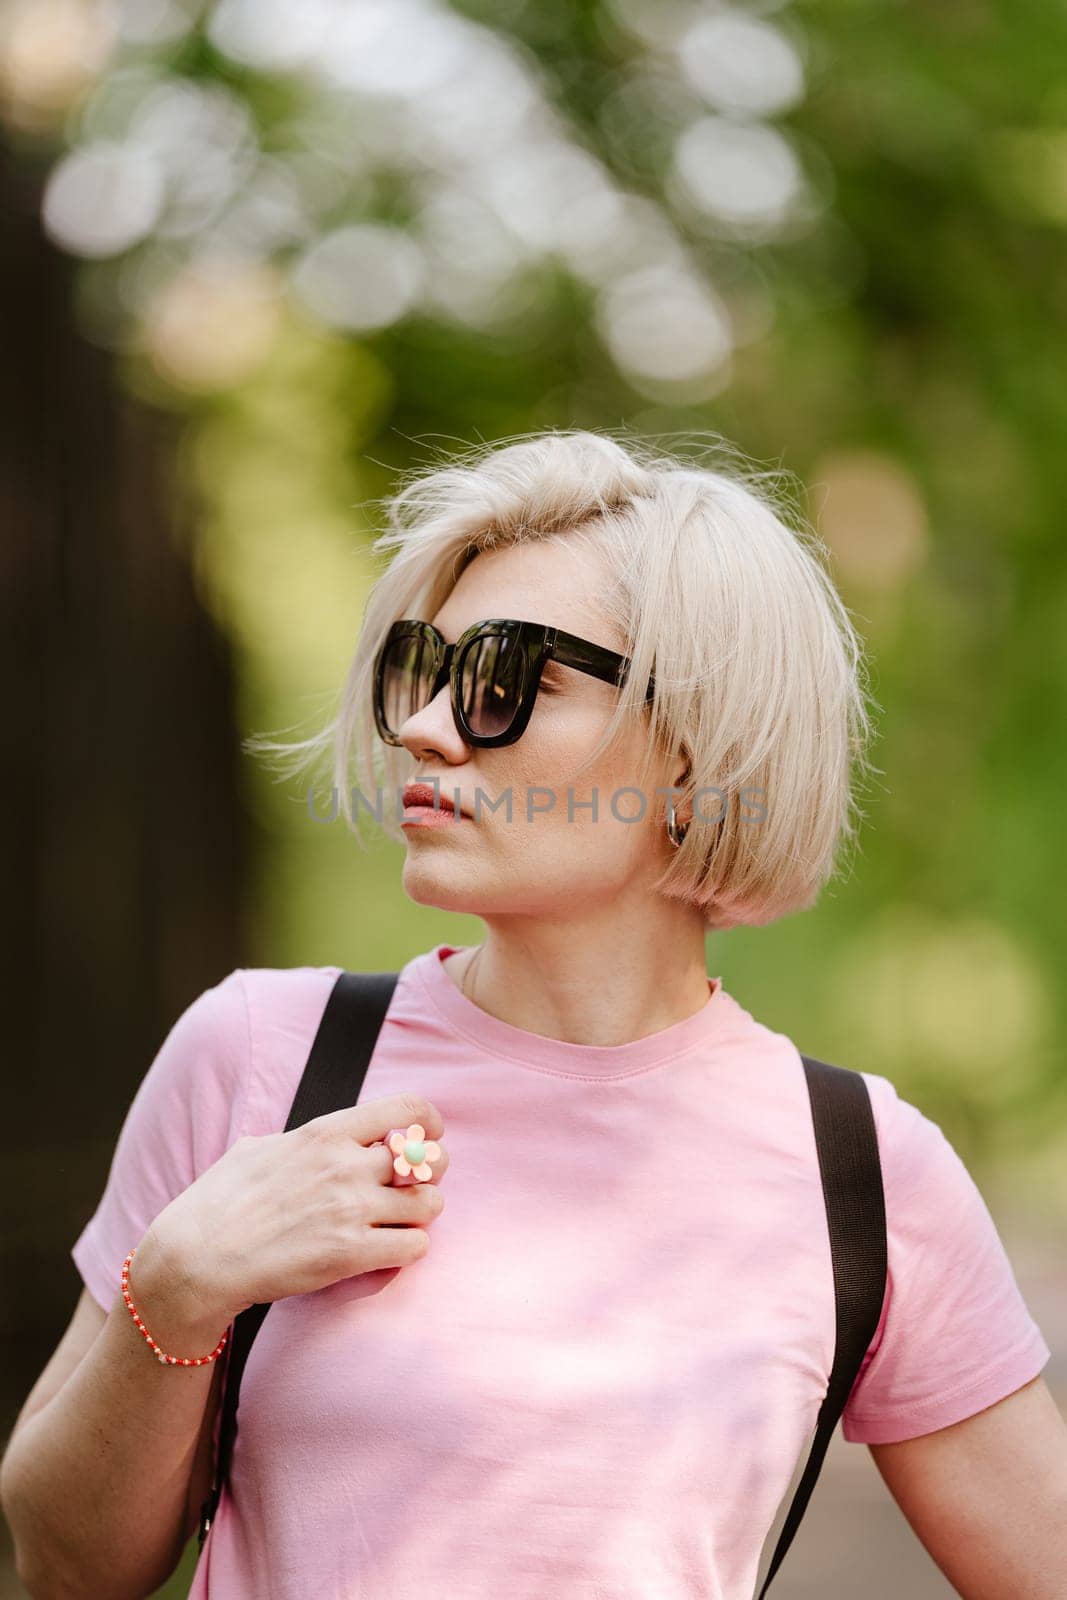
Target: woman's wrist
x=181, y=1320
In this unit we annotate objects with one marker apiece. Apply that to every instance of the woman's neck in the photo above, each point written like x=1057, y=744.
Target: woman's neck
x=583, y=993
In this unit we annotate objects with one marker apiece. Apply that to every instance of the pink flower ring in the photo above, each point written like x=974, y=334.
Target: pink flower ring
x=413, y=1152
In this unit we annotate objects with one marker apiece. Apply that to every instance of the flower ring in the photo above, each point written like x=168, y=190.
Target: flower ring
x=413, y=1152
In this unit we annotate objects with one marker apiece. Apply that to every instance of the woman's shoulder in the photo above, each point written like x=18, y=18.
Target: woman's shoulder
x=282, y=987
x=908, y=1138
x=284, y=1006
x=230, y=1012
x=956, y=1334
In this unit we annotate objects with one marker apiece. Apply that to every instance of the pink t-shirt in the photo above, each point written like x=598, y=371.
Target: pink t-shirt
x=600, y=1380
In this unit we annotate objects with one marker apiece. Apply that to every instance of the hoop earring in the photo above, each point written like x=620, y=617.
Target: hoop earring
x=675, y=834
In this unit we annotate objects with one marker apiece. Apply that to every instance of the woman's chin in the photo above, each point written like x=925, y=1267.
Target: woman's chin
x=448, y=885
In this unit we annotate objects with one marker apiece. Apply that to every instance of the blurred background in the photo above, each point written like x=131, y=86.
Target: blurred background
x=258, y=256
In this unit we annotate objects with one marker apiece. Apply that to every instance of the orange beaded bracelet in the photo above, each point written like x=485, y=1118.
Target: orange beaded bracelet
x=174, y=1361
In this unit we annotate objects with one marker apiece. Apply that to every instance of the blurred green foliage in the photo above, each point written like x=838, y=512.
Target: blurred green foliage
x=896, y=343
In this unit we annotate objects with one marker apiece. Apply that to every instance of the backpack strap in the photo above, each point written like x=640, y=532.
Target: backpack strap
x=332, y=1079
x=850, y=1167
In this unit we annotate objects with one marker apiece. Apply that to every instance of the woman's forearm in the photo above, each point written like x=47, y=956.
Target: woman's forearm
x=96, y=1483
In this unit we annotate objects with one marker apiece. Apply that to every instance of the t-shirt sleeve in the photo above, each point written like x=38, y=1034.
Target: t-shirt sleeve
x=955, y=1334
x=184, y=1116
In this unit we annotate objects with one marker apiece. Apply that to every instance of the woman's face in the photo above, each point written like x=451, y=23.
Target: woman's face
x=541, y=862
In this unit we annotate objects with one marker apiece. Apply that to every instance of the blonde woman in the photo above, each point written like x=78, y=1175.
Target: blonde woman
x=595, y=1372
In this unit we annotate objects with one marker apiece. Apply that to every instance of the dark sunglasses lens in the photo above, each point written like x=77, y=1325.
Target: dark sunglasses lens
x=406, y=676
x=492, y=676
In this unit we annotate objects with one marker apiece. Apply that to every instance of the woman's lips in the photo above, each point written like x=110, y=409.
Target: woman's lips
x=427, y=797
x=429, y=817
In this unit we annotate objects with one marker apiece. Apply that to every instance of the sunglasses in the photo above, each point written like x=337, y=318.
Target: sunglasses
x=493, y=669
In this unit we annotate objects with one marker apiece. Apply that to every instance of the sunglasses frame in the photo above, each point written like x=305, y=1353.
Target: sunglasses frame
x=537, y=642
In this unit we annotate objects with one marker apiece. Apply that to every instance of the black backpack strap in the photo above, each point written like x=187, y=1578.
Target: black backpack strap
x=850, y=1166
x=332, y=1079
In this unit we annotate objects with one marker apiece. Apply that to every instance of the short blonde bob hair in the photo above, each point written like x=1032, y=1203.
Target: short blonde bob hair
x=759, y=675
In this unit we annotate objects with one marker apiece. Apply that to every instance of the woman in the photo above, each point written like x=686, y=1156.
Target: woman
x=596, y=1373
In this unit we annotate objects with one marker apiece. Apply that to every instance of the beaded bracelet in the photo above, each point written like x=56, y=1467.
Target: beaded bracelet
x=174, y=1361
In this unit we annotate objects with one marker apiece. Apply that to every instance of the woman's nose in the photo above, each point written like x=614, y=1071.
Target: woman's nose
x=433, y=727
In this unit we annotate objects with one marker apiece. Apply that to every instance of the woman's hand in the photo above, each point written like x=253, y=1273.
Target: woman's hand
x=288, y=1213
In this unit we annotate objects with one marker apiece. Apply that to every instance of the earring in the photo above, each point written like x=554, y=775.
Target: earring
x=674, y=833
